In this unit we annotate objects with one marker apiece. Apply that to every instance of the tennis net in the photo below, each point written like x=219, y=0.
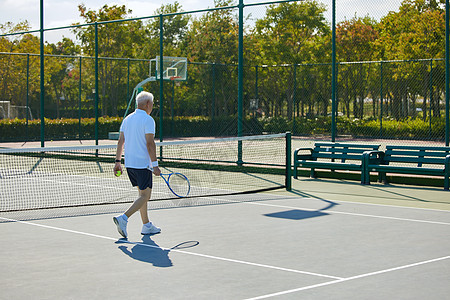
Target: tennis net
x=37, y=179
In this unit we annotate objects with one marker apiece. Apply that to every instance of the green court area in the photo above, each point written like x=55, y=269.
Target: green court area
x=325, y=239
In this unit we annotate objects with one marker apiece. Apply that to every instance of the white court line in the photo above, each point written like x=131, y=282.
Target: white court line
x=396, y=206
x=349, y=278
x=334, y=212
x=176, y=250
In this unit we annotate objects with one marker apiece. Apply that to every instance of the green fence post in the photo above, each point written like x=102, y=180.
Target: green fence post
x=431, y=95
x=172, y=108
x=96, y=83
x=256, y=84
x=42, y=75
x=79, y=103
x=381, y=98
x=294, y=99
x=161, y=81
x=213, y=104
x=447, y=72
x=28, y=106
x=333, y=74
x=128, y=79
x=240, y=77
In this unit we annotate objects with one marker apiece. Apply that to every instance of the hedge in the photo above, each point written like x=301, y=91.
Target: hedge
x=60, y=129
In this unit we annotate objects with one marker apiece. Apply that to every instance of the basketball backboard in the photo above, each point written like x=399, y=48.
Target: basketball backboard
x=174, y=68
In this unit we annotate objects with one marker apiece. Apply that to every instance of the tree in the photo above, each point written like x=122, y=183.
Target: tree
x=213, y=38
x=13, y=67
x=416, y=31
x=355, y=42
x=61, y=78
x=175, y=28
x=292, y=33
x=123, y=39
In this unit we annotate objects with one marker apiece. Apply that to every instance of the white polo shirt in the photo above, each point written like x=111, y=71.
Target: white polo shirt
x=135, y=126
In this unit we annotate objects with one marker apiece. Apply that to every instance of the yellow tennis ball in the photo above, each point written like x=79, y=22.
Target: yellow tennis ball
x=118, y=173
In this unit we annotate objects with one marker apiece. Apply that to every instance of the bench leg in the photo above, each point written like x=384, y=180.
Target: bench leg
x=313, y=173
x=382, y=178
x=446, y=183
x=365, y=176
x=295, y=171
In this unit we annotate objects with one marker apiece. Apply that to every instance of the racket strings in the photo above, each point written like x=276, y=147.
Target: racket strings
x=179, y=184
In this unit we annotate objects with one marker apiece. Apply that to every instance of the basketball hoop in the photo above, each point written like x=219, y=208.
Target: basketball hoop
x=175, y=80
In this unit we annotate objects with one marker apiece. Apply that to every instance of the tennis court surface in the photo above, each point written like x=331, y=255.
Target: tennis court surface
x=326, y=239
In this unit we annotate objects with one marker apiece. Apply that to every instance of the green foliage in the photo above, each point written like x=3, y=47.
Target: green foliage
x=58, y=129
x=410, y=128
x=286, y=34
x=291, y=32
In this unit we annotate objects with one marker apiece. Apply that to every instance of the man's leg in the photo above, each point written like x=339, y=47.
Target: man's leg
x=139, y=204
x=144, y=210
x=144, y=196
x=147, y=227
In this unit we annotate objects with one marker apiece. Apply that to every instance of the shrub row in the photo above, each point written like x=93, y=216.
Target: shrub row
x=18, y=130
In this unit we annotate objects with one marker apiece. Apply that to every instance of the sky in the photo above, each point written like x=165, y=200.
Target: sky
x=58, y=13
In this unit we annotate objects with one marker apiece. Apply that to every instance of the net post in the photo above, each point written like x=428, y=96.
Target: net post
x=288, y=161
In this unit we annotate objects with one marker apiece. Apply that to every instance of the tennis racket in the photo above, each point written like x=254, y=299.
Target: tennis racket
x=177, y=183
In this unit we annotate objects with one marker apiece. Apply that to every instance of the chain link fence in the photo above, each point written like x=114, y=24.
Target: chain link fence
x=383, y=90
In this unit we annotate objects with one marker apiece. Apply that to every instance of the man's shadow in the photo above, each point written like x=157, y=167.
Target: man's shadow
x=147, y=251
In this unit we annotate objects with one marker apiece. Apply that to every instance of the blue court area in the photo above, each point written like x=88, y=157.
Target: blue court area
x=327, y=239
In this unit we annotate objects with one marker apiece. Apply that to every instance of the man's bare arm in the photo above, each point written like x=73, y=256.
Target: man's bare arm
x=120, y=143
x=151, y=148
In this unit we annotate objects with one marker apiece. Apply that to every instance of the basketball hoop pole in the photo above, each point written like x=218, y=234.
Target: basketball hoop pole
x=136, y=90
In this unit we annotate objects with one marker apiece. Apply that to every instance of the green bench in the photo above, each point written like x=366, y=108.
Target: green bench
x=417, y=160
x=332, y=156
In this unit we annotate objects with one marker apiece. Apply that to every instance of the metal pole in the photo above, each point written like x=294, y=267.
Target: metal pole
x=96, y=83
x=161, y=80
x=381, y=98
x=42, y=75
x=240, y=77
x=431, y=95
x=255, y=113
x=294, y=98
x=172, y=108
x=447, y=73
x=333, y=75
x=213, y=105
x=128, y=80
x=79, y=102
x=27, y=110
x=256, y=85
x=288, y=161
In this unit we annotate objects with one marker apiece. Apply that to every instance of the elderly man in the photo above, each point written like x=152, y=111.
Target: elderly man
x=137, y=134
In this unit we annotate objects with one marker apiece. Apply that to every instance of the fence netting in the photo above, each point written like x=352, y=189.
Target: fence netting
x=390, y=72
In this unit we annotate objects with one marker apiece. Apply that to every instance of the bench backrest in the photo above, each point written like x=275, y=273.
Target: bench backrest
x=341, y=151
x=418, y=155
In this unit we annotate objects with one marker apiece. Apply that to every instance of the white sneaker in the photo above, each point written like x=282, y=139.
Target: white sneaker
x=121, y=225
x=150, y=229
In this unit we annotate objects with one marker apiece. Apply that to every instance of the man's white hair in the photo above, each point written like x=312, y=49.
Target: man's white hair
x=142, y=97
